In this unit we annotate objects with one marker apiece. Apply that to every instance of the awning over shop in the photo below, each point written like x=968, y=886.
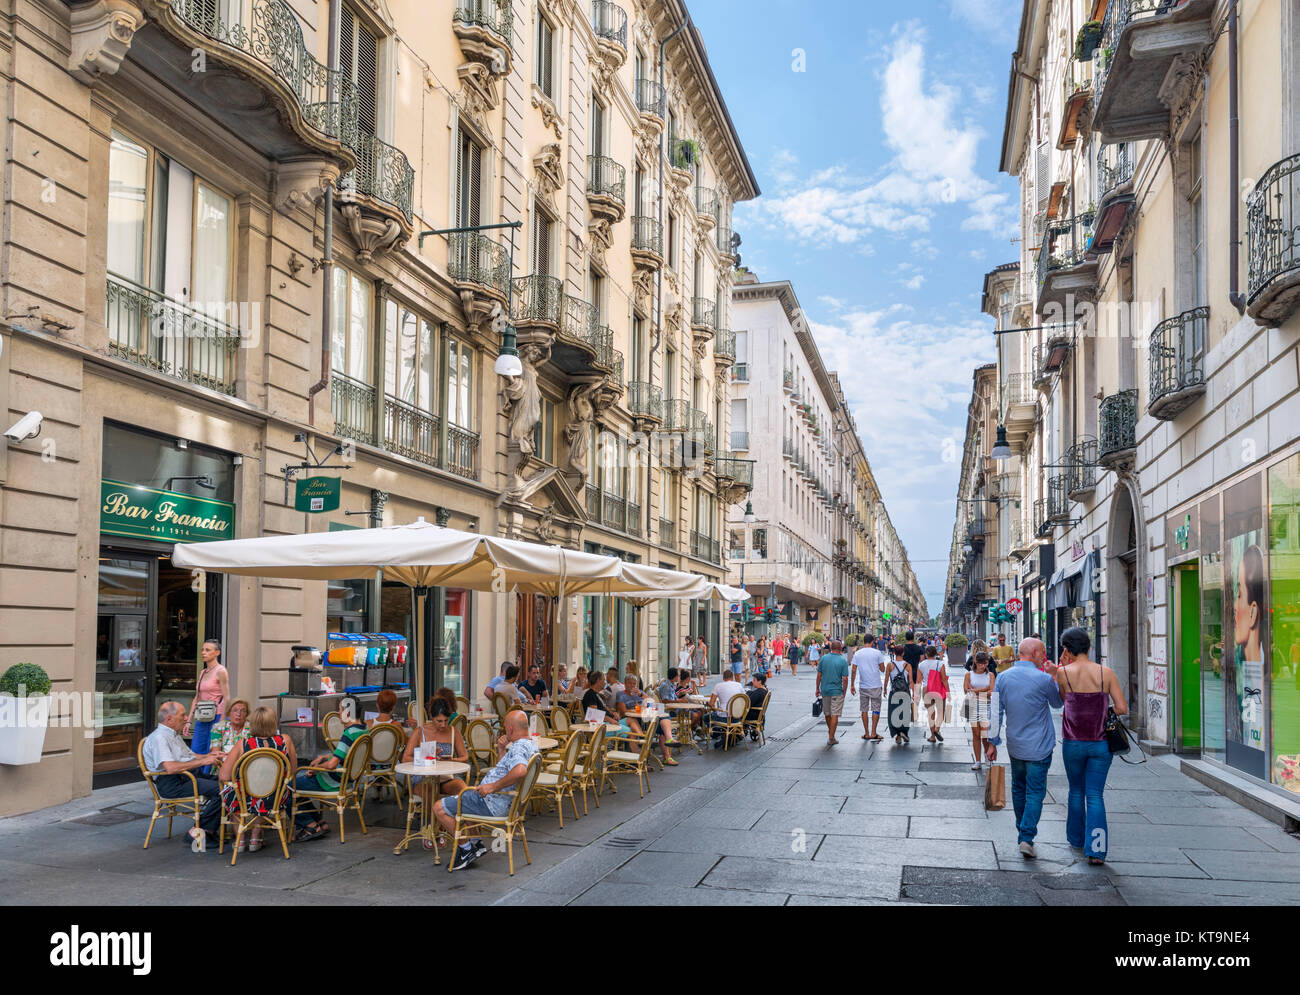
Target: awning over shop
x=1067, y=588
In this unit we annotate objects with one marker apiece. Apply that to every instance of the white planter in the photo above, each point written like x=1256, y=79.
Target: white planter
x=22, y=729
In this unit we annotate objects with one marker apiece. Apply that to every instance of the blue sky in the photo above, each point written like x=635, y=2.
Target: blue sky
x=883, y=204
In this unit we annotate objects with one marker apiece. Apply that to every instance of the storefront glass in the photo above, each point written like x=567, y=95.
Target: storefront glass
x=1284, y=569
x=453, y=635
x=346, y=603
x=1211, y=577
x=1244, y=586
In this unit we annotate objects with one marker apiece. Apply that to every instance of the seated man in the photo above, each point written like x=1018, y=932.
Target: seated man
x=165, y=753
x=494, y=794
x=497, y=681
x=309, y=824
x=723, y=692
x=598, y=696
x=756, y=693
x=611, y=678
x=667, y=689
x=533, y=688
x=508, y=686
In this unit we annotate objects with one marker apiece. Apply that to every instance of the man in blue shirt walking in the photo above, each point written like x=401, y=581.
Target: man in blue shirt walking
x=1025, y=697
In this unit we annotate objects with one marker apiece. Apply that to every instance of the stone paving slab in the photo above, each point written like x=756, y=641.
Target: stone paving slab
x=624, y=894
x=738, y=843
x=833, y=823
x=887, y=851
x=871, y=805
x=832, y=880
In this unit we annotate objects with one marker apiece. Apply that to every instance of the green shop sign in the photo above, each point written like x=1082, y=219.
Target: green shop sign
x=147, y=513
x=316, y=494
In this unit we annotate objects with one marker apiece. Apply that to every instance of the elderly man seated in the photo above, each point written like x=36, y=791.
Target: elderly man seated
x=632, y=697
x=165, y=753
x=493, y=796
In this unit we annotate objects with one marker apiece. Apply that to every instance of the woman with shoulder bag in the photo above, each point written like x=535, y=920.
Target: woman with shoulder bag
x=899, y=677
x=979, y=696
x=1091, y=692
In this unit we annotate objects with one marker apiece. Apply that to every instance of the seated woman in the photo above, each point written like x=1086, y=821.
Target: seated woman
x=448, y=696
x=594, y=697
x=262, y=732
x=633, y=698
x=562, y=679
x=437, y=730
x=385, y=701
x=232, y=729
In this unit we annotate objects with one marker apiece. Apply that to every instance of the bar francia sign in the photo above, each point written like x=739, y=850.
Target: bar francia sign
x=147, y=513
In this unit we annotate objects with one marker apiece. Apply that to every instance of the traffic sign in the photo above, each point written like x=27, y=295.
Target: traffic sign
x=1015, y=606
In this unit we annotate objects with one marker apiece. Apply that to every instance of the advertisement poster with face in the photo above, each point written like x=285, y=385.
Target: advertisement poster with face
x=1244, y=603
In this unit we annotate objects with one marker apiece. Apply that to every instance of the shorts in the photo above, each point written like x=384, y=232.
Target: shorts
x=471, y=802
x=832, y=705
x=870, y=700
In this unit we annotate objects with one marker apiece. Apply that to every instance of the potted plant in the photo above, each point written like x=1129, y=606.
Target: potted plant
x=956, y=644
x=1088, y=39
x=24, y=713
x=852, y=639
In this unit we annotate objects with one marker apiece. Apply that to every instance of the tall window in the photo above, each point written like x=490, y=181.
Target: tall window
x=350, y=350
x=597, y=127
x=758, y=539
x=638, y=346
x=670, y=374
x=410, y=357
x=469, y=181
x=460, y=381
x=639, y=192
x=672, y=240
x=1196, y=215
x=542, y=225
x=359, y=63
x=545, y=57
x=544, y=433
x=596, y=292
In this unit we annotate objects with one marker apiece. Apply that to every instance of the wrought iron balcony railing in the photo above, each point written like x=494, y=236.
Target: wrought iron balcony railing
x=1058, y=497
x=495, y=15
x=538, y=300
x=723, y=236
x=632, y=524
x=1081, y=467
x=645, y=400
x=740, y=440
x=706, y=202
x=1117, y=425
x=1018, y=389
x=705, y=547
x=704, y=312
x=667, y=532
x=353, y=403
x=609, y=22
x=1176, y=353
x=474, y=258
x=1273, y=242
x=1115, y=165
x=649, y=97
x=462, y=452
x=581, y=320
x=606, y=178
x=647, y=235
x=724, y=344
x=150, y=330
x=269, y=31
x=1065, y=244
x=383, y=173
x=613, y=511
x=683, y=154
x=410, y=431
x=680, y=417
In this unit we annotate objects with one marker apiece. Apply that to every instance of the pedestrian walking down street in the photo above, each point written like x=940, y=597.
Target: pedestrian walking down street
x=700, y=657
x=832, y=681
x=759, y=658
x=814, y=653
x=899, y=678
x=912, y=653
x=1001, y=654
x=734, y=656
x=778, y=653
x=867, y=675
x=978, y=689
x=746, y=651
x=684, y=656
x=1026, y=697
x=932, y=678
x=795, y=652
x=1088, y=690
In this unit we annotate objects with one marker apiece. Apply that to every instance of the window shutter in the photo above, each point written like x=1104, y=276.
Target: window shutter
x=1042, y=182
x=367, y=79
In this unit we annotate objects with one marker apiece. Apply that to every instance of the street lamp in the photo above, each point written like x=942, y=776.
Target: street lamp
x=1001, y=449
x=749, y=513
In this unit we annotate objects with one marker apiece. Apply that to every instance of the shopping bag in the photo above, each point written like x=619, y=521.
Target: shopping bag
x=995, y=788
x=817, y=708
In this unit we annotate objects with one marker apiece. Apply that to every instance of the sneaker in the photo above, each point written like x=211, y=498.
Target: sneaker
x=464, y=856
x=938, y=735
x=479, y=848
x=1027, y=851
x=976, y=766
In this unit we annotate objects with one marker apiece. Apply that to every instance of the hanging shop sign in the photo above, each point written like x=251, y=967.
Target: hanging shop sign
x=317, y=494
x=147, y=513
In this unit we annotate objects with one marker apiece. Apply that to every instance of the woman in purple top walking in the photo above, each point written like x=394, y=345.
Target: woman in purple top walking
x=1087, y=689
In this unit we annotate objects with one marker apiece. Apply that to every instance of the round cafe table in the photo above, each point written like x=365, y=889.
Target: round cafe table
x=683, y=710
x=428, y=831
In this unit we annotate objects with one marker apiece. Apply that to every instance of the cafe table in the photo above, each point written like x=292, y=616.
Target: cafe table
x=683, y=710
x=428, y=831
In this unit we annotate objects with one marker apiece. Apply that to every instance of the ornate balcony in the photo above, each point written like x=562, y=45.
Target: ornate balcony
x=479, y=268
x=1076, y=93
x=645, y=402
x=609, y=22
x=1115, y=165
x=1067, y=268
x=259, y=79
x=688, y=422
x=410, y=431
x=150, y=330
x=462, y=452
x=724, y=347
x=375, y=198
x=1176, y=352
x=484, y=28
x=706, y=207
x=650, y=104
x=538, y=307
x=1058, y=499
x=1081, y=468
x=704, y=321
x=1144, y=45
x=583, y=345
x=1019, y=406
x=1117, y=421
x=1272, y=249
x=606, y=183
x=723, y=238
x=353, y=404
x=683, y=158
x=647, y=243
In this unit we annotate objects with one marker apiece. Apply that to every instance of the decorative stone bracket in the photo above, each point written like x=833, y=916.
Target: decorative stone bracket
x=301, y=183
x=101, y=35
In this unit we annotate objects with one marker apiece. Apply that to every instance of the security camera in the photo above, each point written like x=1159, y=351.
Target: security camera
x=26, y=427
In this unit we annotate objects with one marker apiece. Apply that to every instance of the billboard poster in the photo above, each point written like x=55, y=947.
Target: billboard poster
x=1247, y=618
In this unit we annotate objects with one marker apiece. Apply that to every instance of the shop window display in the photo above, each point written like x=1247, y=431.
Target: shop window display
x=1244, y=601
x=1212, y=719
x=1284, y=567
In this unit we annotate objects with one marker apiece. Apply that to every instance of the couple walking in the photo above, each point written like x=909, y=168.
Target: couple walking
x=1026, y=694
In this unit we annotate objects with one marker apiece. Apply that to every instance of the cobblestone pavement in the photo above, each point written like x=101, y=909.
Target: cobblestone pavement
x=791, y=823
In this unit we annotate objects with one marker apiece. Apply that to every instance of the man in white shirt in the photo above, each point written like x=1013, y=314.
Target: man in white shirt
x=867, y=673
x=723, y=692
x=165, y=753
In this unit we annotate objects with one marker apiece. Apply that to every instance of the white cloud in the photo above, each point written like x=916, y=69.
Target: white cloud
x=999, y=16
x=915, y=282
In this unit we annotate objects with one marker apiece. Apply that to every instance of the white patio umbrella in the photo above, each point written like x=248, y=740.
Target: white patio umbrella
x=422, y=555
x=675, y=585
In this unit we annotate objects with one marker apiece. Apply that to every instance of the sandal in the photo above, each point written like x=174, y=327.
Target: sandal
x=256, y=843
x=310, y=832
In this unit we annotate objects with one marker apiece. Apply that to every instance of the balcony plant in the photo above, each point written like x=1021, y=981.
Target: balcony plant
x=1089, y=37
x=24, y=713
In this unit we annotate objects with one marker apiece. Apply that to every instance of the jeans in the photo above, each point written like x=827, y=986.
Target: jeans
x=310, y=813
x=1086, y=765
x=178, y=786
x=1028, y=788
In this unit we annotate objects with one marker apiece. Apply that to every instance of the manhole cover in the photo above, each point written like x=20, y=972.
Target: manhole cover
x=109, y=817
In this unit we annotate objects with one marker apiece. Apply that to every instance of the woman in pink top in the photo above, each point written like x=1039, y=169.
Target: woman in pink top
x=214, y=685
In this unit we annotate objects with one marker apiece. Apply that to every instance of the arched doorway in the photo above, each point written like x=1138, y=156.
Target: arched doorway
x=1123, y=616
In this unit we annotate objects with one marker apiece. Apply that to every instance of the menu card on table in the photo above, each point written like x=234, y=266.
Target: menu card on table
x=595, y=716
x=304, y=716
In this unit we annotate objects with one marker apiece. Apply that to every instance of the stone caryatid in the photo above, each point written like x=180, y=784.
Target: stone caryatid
x=524, y=398
x=582, y=413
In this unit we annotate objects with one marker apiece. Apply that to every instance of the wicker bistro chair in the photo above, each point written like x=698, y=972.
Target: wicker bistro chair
x=387, y=740
x=737, y=708
x=557, y=780
x=260, y=773
x=756, y=724
x=509, y=824
x=480, y=743
x=189, y=806
x=459, y=723
x=462, y=705
x=589, y=771
x=561, y=724
x=351, y=774
x=638, y=763
x=331, y=728
x=500, y=706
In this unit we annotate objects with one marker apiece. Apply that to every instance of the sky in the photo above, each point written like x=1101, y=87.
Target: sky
x=875, y=131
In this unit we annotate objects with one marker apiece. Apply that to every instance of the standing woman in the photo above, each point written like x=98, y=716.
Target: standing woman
x=793, y=652
x=932, y=679
x=214, y=686
x=978, y=688
x=898, y=679
x=684, y=657
x=1087, y=689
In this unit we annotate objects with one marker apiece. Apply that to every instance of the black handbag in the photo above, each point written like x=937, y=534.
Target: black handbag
x=1118, y=737
x=817, y=708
